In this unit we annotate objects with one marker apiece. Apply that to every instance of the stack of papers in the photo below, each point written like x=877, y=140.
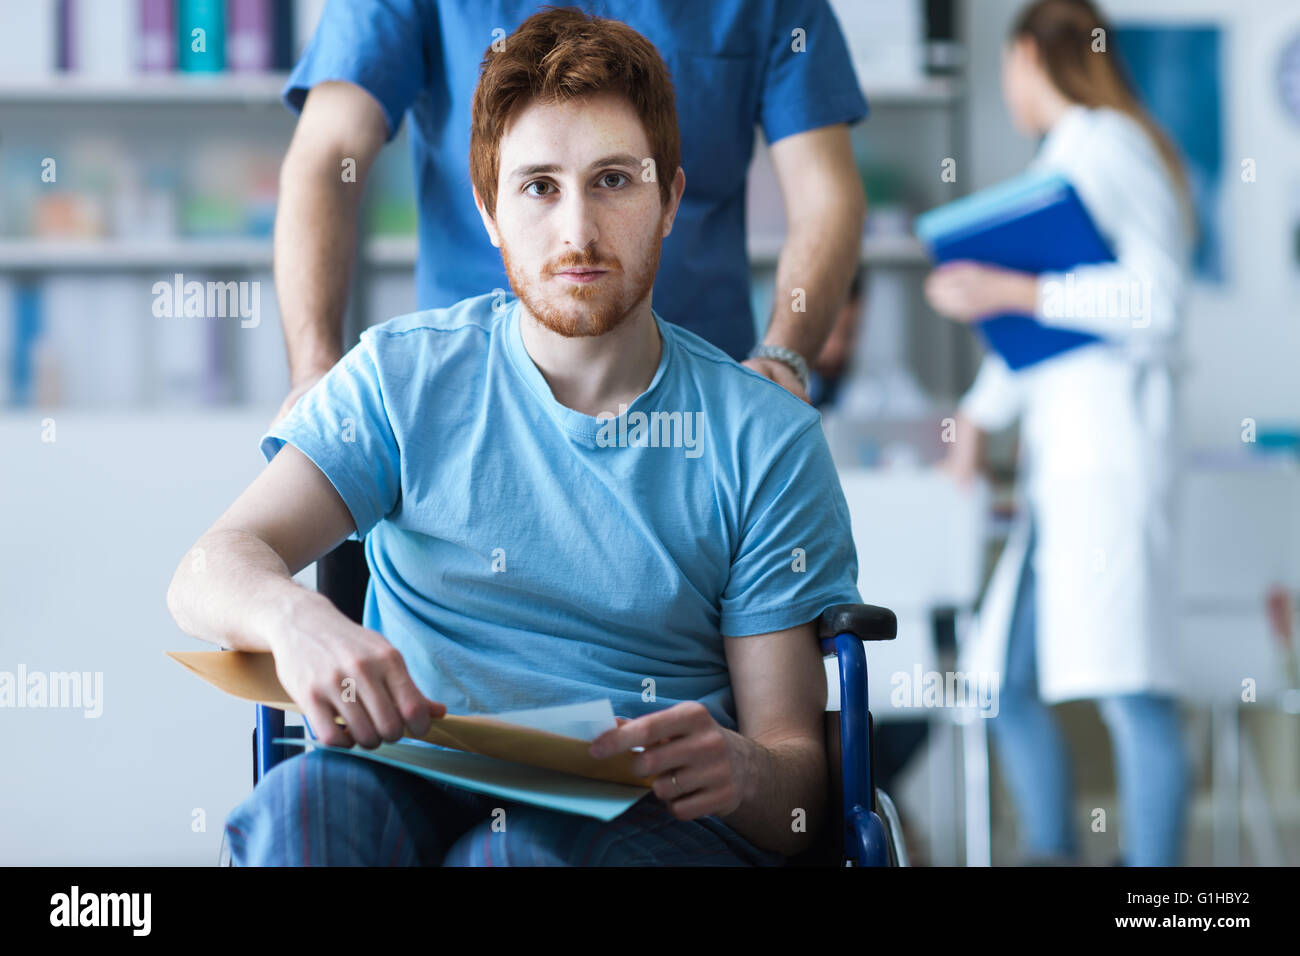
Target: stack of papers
x=539, y=756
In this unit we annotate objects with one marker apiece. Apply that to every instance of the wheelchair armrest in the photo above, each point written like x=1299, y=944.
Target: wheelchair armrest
x=843, y=630
x=864, y=621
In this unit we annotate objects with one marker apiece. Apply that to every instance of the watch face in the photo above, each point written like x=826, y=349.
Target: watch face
x=1288, y=78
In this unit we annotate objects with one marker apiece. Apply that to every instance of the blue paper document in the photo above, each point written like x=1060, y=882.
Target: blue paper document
x=538, y=786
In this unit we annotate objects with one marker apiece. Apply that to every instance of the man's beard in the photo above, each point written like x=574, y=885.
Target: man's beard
x=609, y=306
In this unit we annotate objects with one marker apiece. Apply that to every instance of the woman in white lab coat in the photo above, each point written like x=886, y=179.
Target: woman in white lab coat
x=1082, y=604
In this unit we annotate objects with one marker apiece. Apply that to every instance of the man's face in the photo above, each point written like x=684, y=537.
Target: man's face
x=578, y=223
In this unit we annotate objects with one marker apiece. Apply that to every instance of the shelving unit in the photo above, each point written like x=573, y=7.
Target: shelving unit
x=941, y=353
x=196, y=100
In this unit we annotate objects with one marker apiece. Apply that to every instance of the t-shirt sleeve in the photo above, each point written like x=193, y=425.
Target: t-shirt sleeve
x=808, y=80
x=377, y=44
x=342, y=425
x=796, y=555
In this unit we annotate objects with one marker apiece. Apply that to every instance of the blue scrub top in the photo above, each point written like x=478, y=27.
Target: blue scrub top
x=734, y=64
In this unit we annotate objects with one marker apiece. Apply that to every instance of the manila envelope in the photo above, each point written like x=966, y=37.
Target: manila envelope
x=251, y=676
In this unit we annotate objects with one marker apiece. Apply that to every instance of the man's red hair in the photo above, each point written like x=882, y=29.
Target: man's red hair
x=561, y=53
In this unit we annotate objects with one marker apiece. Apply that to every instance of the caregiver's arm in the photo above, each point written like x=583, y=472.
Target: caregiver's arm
x=235, y=588
x=316, y=224
x=824, y=209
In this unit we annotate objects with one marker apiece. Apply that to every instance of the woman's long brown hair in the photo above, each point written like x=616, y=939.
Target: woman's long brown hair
x=1063, y=31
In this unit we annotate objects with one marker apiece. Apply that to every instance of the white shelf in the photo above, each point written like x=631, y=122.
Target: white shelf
x=384, y=252
x=47, y=255
x=229, y=89
x=927, y=91
x=391, y=252
x=245, y=89
x=874, y=251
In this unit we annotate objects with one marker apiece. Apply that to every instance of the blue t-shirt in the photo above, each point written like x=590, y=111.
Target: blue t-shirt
x=734, y=64
x=523, y=554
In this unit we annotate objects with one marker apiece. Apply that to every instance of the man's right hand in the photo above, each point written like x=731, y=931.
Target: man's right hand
x=332, y=666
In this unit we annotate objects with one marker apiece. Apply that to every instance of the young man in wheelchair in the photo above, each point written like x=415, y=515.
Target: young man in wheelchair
x=562, y=497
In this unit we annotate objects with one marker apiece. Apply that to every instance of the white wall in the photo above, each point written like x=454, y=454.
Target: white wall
x=96, y=523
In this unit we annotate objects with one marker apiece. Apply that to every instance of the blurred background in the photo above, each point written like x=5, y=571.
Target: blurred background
x=126, y=159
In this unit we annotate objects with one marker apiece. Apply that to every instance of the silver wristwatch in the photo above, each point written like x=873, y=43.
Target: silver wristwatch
x=786, y=356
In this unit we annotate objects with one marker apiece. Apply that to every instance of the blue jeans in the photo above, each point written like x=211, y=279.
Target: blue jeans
x=1151, y=765
x=322, y=808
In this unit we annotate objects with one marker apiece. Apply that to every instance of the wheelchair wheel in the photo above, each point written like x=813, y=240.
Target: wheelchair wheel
x=223, y=852
x=893, y=829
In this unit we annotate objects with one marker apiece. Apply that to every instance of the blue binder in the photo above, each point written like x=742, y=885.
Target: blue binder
x=1033, y=223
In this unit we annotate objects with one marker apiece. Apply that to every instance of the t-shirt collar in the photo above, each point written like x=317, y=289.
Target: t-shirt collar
x=575, y=423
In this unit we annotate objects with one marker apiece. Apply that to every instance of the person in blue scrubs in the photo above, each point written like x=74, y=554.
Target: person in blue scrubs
x=779, y=64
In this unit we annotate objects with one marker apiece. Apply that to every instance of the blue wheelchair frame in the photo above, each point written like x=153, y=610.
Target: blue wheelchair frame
x=842, y=631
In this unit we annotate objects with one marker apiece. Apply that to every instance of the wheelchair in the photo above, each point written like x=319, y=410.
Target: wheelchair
x=863, y=826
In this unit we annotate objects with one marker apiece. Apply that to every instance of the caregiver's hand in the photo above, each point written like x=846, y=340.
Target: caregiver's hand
x=966, y=291
x=778, y=372
x=333, y=666
x=712, y=764
x=301, y=385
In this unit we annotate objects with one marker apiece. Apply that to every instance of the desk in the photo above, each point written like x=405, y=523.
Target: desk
x=1240, y=533
x=920, y=545
x=100, y=518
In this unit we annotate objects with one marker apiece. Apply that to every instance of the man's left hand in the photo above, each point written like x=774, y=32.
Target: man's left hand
x=711, y=764
x=778, y=372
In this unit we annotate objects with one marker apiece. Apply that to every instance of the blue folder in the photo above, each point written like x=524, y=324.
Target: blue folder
x=1032, y=223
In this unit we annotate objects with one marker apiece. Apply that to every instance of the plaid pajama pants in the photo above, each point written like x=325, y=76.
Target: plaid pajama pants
x=328, y=809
